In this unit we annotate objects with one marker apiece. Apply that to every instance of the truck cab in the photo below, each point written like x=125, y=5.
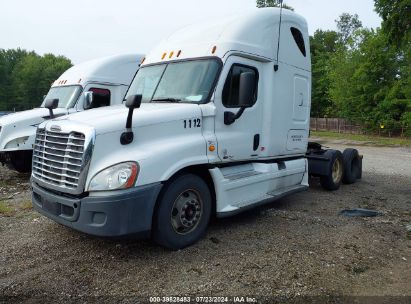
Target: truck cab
x=216, y=121
x=106, y=80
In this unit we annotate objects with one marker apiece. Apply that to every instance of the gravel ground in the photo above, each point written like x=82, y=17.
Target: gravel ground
x=297, y=246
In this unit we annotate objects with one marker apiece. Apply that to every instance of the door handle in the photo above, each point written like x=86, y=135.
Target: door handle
x=256, y=142
x=302, y=99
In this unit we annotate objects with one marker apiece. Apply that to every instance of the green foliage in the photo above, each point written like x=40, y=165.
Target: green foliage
x=396, y=15
x=328, y=47
x=8, y=61
x=361, y=75
x=406, y=119
x=272, y=3
x=369, y=82
x=26, y=77
x=347, y=25
x=324, y=44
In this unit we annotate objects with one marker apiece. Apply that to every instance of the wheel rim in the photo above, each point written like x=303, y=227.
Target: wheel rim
x=337, y=171
x=187, y=211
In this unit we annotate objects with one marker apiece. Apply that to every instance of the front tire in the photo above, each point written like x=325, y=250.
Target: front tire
x=183, y=212
x=21, y=161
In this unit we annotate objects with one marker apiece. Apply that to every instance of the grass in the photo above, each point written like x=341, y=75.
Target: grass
x=27, y=205
x=6, y=183
x=9, y=211
x=369, y=139
x=5, y=209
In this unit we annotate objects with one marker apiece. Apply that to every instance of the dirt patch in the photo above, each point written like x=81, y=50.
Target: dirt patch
x=297, y=246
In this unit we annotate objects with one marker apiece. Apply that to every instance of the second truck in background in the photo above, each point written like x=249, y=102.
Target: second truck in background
x=107, y=79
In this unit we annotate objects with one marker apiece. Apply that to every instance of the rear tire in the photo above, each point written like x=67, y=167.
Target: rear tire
x=352, y=166
x=335, y=171
x=21, y=160
x=183, y=212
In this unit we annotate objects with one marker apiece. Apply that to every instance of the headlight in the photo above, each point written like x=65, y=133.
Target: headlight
x=120, y=176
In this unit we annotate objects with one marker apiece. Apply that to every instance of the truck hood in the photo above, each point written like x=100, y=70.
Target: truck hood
x=113, y=118
x=18, y=129
x=29, y=117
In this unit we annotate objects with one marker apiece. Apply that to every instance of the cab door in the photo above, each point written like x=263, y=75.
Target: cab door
x=238, y=140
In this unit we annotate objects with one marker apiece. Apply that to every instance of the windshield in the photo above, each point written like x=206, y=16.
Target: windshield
x=185, y=81
x=67, y=96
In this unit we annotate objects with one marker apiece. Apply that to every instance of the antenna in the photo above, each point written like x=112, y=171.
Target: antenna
x=279, y=34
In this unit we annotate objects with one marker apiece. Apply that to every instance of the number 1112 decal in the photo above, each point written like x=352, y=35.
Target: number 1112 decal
x=192, y=123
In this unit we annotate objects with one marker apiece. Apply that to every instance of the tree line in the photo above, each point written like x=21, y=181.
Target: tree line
x=362, y=74
x=25, y=77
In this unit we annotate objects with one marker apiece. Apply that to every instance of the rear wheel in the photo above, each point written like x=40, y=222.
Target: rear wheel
x=335, y=170
x=183, y=212
x=21, y=161
x=352, y=166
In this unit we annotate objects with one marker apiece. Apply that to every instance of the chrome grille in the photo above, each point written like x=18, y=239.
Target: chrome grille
x=58, y=158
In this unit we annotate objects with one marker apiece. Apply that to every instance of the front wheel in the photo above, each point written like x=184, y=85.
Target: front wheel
x=183, y=212
x=21, y=161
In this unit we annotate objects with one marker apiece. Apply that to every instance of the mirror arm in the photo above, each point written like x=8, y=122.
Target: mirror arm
x=129, y=118
x=230, y=117
x=132, y=102
x=51, y=114
x=128, y=136
x=51, y=104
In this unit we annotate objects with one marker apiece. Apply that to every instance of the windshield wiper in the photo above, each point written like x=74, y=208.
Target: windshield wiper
x=166, y=100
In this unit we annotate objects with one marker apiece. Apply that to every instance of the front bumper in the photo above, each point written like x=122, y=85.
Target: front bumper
x=127, y=213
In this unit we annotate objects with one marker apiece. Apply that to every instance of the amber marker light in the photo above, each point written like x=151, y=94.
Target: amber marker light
x=211, y=148
x=132, y=179
x=164, y=56
x=171, y=54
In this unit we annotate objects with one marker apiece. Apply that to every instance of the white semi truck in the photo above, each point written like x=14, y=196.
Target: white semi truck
x=105, y=81
x=214, y=123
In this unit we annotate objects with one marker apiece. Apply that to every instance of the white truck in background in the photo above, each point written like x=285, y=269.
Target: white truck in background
x=214, y=123
x=104, y=81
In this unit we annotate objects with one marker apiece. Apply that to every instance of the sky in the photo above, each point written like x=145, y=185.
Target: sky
x=86, y=29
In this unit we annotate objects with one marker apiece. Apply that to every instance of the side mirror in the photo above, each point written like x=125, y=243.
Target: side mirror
x=88, y=100
x=245, y=97
x=132, y=102
x=51, y=104
x=246, y=89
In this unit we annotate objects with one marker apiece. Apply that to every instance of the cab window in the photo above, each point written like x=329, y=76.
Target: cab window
x=101, y=97
x=299, y=40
